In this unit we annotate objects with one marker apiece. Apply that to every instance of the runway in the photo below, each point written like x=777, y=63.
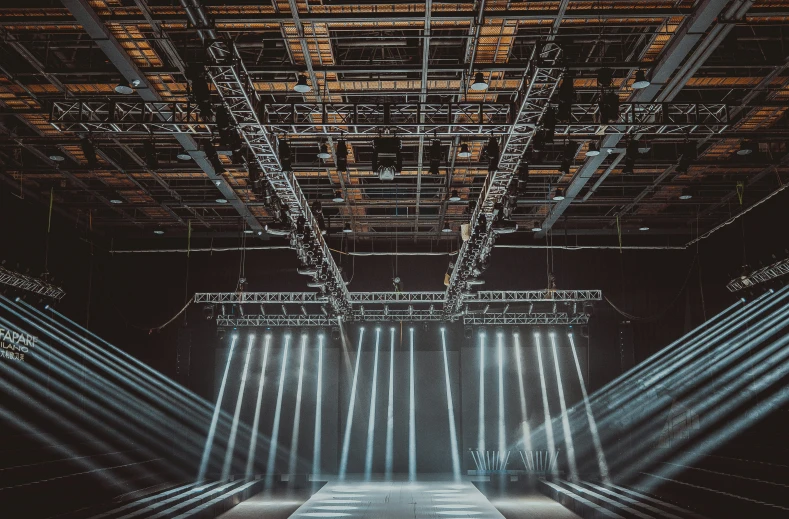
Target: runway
x=399, y=500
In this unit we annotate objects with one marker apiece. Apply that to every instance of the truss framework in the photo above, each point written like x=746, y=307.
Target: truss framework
x=534, y=97
x=762, y=275
x=238, y=94
x=482, y=296
x=416, y=316
x=30, y=284
x=407, y=119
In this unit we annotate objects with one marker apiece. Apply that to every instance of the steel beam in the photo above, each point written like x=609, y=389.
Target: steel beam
x=402, y=316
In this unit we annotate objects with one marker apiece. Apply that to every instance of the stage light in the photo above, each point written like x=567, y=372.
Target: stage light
x=464, y=152
x=272, y=452
x=89, y=151
x=183, y=155
x=454, y=197
x=209, y=442
x=547, y=424
x=641, y=81
x=324, y=152
x=435, y=155
x=411, y=413
x=549, y=124
x=208, y=312
x=231, y=442
x=453, y=437
x=593, y=150
x=504, y=225
x=284, y=154
x=493, y=153
x=605, y=77
x=746, y=148
x=294, y=439
x=558, y=195
x=301, y=85
x=149, y=150
x=479, y=84
x=342, y=157
x=568, y=437
x=447, y=228
x=368, y=459
x=316, y=443
x=536, y=226
x=338, y=198
x=123, y=87
x=347, y=228
x=346, y=442
x=689, y=153
x=387, y=158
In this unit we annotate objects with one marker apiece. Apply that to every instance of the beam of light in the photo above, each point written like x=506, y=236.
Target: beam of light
x=524, y=417
x=209, y=442
x=231, y=442
x=368, y=458
x=568, y=436
x=272, y=450
x=294, y=440
x=346, y=442
x=598, y=447
x=316, y=442
x=481, y=416
x=547, y=412
x=453, y=437
x=253, y=439
x=390, y=410
x=500, y=353
x=411, y=415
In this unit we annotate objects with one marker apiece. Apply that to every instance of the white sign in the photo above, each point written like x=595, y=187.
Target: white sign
x=15, y=345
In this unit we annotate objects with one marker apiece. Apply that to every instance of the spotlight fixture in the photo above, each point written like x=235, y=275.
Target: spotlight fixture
x=123, y=87
x=558, y=195
x=687, y=157
x=593, y=150
x=494, y=153
x=605, y=77
x=641, y=80
x=536, y=226
x=278, y=228
x=686, y=194
x=183, y=155
x=342, y=156
x=549, y=123
x=446, y=229
x=454, y=197
x=387, y=159
x=208, y=312
x=347, y=228
x=338, y=198
x=504, y=226
x=538, y=141
x=90, y=152
x=565, y=166
x=464, y=152
x=301, y=85
x=324, y=152
x=149, y=150
x=283, y=152
x=609, y=107
x=198, y=84
x=479, y=84
x=746, y=148
x=435, y=157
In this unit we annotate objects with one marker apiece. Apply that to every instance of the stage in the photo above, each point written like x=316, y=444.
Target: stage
x=398, y=499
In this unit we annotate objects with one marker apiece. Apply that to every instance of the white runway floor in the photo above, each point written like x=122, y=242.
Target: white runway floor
x=398, y=500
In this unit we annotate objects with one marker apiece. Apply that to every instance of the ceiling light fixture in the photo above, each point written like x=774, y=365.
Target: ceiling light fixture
x=593, y=150
x=641, y=80
x=347, y=228
x=536, y=226
x=746, y=148
x=56, y=157
x=464, y=152
x=479, y=84
x=324, y=152
x=221, y=200
x=643, y=228
x=158, y=231
x=454, y=197
x=338, y=198
x=183, y=155
x=558, y=195
x=446, y=229
x=301, y=85
x=686, y=194
x=123, y=87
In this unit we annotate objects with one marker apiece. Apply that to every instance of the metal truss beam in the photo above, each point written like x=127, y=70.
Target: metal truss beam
x=777, y=269
x=534, y=95
x=482, y=296
x=672, y=71
x=400, y=316
x=30, y=284
x=93, y=25
x=408, y=119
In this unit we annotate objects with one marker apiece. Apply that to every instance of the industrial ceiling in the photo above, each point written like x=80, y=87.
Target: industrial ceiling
x=715, y=83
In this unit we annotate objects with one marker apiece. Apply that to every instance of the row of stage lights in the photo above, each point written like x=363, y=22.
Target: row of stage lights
x=500, y=332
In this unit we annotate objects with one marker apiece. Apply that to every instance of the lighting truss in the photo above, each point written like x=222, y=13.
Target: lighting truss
x=418, y=119
x=30, y=284
x=402, y=315
x=534, y=96
x=234, y=86
x=482, y=296
x=762, y=275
